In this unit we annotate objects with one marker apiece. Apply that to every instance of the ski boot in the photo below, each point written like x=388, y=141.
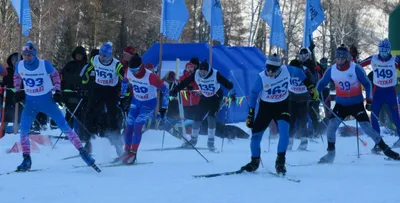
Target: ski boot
x=396, y=144
x=290, y=145
x=130, y=158
x=376, y=149
x=192, y=141
x=280, y=164
x=86, y=157
x=26, y=163
x=387, y=151
x=328, y=158
x=210, y=145
x=253, y=165
x=303, y=144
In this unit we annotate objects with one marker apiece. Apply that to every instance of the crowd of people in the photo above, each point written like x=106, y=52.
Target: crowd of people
x=117, y=99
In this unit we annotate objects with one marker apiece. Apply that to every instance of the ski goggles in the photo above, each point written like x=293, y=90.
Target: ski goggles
x=384, y=51
x=27, y=50
x=342, y=54
x=272, y=68
x=134, y=70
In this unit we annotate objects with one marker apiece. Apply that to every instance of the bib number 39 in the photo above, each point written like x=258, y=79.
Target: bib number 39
x=345, y=85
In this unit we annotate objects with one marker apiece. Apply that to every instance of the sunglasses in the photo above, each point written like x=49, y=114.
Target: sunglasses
x=27, y=48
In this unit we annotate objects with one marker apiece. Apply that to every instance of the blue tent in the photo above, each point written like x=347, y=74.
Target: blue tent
x=238, y=64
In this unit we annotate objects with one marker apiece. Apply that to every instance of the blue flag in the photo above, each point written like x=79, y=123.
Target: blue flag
x=174, y=17
x=24, y=14
x=271, y=13
x=212, y=12
x=313, y=18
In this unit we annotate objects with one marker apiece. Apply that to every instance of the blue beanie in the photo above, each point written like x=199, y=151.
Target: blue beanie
x=29, y=48
x=106, y=49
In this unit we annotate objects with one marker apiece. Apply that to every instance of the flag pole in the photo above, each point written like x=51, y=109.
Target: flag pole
x=16, y=124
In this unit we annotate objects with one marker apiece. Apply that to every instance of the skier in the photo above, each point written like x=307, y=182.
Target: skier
x=299, y=98
x=209, y=81
x=8, y=81
x=103, y=77
x=144, y=84
x=39, y=76
x=273, y=86
x=384, y=70
x=72, y=81
x=307, y=60
x=348, y=78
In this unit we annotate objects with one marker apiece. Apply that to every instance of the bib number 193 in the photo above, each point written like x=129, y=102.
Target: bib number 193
x=33, y=82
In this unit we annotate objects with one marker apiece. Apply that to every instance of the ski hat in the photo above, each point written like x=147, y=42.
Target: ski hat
x=273, y=63
x=384, y=48
x=195, y=61
x=304, y=54
x=135, y=63
x=296, y=63
x=204, y=66
x=106, y=49
x=342, y=52
x=130, y=50
x=29, y=48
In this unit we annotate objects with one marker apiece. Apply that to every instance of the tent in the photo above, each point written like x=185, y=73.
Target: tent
x=238, y=64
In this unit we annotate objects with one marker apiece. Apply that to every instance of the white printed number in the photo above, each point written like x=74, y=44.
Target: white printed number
x=171, y=1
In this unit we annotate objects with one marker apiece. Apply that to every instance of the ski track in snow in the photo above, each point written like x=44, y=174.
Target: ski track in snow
x=170, y=177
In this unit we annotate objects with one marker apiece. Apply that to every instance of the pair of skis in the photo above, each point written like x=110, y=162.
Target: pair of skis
x=212, y=175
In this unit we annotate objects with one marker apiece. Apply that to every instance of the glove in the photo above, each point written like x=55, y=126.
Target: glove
x=250, y=118
x=313, y=93
x=173, y=93
x=19, y=96
x=161, y=113
x=82, y=93
x=368, y=105
x=124, y=104
x=57, y=96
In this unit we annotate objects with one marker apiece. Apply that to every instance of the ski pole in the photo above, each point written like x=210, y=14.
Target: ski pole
x=381, y=123
x=187, y=141
x=341, y=121
x=322, y=121
x=3, y=111
x=77, y=120
x=69, y=120
x=162, y=143
x=358, y=143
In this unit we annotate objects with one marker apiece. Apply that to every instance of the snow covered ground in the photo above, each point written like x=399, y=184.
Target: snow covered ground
x=169, y=178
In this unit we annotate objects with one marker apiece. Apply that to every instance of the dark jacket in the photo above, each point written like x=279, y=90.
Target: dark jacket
x=70, y=74
x=305, y=97
x=8, y=81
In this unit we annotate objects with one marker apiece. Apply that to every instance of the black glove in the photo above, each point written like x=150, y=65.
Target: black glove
x=19, y=96
x=57, y=96
x=250, y=118
x=161, y=113
x=173, y=93
x=82, y=93
x=368, y=105
x=124, y=104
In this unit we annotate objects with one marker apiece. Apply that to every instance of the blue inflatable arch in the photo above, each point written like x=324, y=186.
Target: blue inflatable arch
x=239, y=64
